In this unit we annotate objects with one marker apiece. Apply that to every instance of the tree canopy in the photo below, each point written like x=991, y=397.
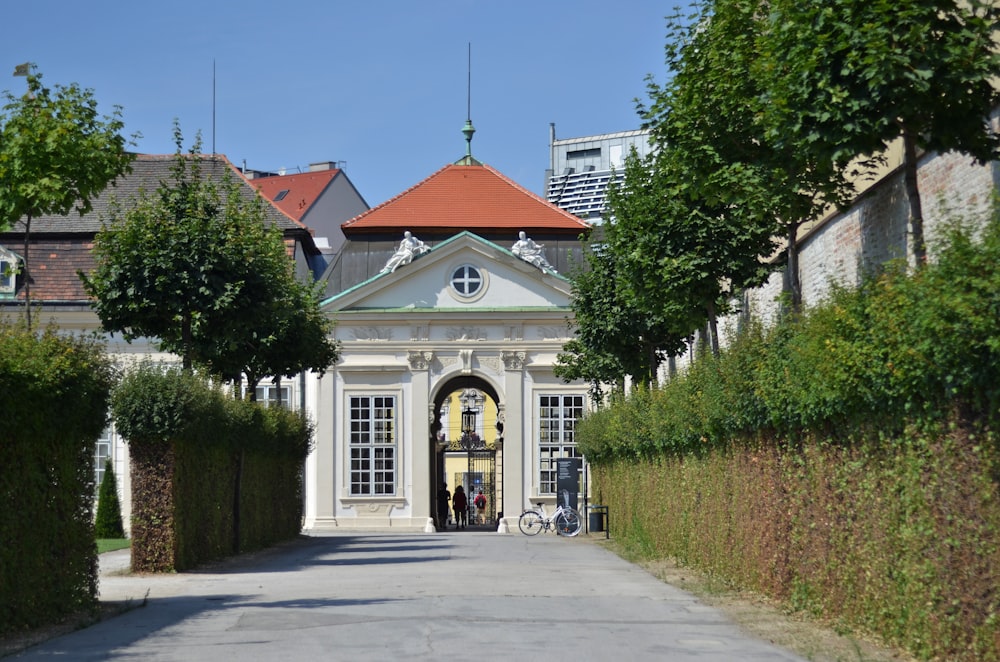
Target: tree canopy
x=56, y=153
x=846, y=78
x=614, y=338
x=195, y=266
x=769, y=109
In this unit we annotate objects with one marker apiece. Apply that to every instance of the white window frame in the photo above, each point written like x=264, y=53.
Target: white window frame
x=8, y=272
x=556, y=416
x=483, y=279
x=104, y=450
x=373, y=453
x=274, y=395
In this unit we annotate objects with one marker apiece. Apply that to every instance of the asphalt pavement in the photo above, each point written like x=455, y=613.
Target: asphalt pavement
x=451, y=596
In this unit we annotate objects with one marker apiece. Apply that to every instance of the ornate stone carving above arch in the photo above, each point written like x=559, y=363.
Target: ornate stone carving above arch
x=491, y=362
x=512, y=360
x=465, y=355
x=419, y=360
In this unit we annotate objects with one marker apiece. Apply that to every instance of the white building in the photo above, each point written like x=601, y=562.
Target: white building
x=465, y=314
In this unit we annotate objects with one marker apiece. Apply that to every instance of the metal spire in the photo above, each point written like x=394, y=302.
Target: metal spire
x=468, y=130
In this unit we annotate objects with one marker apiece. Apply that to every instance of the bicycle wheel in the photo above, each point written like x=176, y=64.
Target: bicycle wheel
x=568, y=522
x=530, y=523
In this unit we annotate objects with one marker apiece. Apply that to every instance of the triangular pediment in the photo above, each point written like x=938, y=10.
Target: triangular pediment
x=464, y=272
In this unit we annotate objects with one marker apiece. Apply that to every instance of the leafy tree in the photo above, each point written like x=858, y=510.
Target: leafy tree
x=614, y=338
x=292, y=337
x=108, y=523
x=195, y=266
x=56, y=153
x=846, y=78
x=682, y=257
x=707, y=122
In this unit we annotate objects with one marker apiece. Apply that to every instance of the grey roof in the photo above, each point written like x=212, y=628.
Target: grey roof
x=148, y=171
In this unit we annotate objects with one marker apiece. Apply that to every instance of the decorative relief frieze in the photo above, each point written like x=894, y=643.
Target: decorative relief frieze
x=372, y=333
x=419, y=360
x=551, y=332
x=512, y=360
x=465, y=333
x=447, y=361
x=515, y=332
x=419, y=332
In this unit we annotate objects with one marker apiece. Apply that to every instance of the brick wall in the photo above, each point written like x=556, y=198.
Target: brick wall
x=874, y=230
x=848, y=244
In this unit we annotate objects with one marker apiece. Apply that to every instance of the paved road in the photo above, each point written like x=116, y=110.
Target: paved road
x=457, y=596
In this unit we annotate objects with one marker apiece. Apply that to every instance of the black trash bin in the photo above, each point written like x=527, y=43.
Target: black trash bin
x=597, y=515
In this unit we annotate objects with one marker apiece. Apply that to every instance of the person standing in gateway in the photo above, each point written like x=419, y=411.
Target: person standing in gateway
x=444, y=496
x=480, y=503
x=461, y=506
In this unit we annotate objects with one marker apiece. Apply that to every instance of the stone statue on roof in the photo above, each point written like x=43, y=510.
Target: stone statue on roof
x=526, y=249
x=408, y=249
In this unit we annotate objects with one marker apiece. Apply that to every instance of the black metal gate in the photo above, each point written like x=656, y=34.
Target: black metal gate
x=480, y=475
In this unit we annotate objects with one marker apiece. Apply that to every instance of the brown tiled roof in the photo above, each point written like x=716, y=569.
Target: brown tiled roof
x=148, y=171
x=301, y=190
x=54, y=265
x=466, y=197
x=61, y=246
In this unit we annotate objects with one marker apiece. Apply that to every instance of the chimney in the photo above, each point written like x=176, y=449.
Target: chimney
x=322, y=165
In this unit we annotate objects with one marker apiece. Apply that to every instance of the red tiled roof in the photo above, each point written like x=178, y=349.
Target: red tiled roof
x=466, y=197
x=302, y=190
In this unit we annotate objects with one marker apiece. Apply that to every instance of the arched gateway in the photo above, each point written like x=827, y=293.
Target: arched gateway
x=466, y=314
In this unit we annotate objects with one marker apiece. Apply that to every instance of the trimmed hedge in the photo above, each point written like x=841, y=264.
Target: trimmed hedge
x=54, y=407
x=849, y=455
x=897, y=541
x=108, y=522
x=211, y=476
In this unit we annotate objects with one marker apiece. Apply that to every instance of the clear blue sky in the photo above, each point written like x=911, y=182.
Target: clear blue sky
x=378, y=84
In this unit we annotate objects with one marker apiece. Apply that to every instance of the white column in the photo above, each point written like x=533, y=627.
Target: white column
x=321, y=465
x=421, y=447
x=515, y=464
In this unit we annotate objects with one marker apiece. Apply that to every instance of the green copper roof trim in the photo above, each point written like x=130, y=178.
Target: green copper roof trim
x=464, y=311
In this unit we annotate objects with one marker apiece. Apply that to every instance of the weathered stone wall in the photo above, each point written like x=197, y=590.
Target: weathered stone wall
x=844, y=246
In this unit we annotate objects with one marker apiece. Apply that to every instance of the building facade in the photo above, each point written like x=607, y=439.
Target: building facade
x=580, y=169
x=468, y=313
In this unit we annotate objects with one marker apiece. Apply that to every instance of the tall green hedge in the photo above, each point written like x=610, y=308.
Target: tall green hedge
x=211, y=476
x=846, y=460
x=905, y=348
x=54, y=406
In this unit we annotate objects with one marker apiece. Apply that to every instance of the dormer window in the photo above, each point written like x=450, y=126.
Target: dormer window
x=8, y=272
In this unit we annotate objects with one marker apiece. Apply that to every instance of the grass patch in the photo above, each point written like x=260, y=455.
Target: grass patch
x=111, y=544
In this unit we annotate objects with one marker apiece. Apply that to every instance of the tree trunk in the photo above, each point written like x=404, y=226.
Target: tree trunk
x=186, y=362
x=653, y=364
x=792, y=269
x=26, y=272
x=913, y=196
x=713, y=329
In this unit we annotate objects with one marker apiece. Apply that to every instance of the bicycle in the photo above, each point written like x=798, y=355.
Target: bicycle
x=566, y=521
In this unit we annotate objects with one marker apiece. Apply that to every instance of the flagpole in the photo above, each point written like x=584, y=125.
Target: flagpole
x=213, y=106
